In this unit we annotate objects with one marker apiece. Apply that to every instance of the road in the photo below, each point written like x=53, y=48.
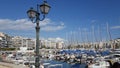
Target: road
x=9, y=65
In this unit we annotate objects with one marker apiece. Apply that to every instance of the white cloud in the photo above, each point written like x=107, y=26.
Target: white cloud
x=57, y=39
x=115, y=27
x=25, y=24
x=45, y=22
x=20, y=24
x=52, y=28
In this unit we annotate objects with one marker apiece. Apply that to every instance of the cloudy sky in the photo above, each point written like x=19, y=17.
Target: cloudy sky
x=66, y=18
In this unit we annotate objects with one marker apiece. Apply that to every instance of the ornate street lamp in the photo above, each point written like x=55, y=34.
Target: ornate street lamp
x=35, y=18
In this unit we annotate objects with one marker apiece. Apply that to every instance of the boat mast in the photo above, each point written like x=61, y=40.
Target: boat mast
x=83, y=43
x=109, y=36
x=94, y=38
x=80, y=37
x=100, y=36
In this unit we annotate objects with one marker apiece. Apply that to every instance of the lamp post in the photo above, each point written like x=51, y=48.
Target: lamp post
x=34, y=16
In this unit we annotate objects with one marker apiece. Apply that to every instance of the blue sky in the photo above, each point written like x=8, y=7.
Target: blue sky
x=66, y=17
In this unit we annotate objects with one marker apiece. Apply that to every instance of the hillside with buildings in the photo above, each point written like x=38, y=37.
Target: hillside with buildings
x=7, y=41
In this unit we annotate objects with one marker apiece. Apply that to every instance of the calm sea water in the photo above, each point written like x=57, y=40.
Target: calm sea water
x=64, y=64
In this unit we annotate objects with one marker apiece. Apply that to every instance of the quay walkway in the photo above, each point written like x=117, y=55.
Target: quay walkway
x=10, y=65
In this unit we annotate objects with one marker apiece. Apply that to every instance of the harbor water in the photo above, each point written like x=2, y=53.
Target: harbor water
x=59, y=64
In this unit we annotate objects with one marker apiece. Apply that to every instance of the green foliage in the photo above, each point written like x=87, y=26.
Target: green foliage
x=69, y=47
x=7, y=49
x=43, y=46
x=47, y=47
x=0, y=58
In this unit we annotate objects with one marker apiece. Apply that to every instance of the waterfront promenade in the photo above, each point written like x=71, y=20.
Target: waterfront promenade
x=2, y=66
x=9, y=65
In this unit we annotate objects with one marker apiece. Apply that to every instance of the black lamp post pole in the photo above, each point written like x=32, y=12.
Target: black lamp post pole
x=37, y=64
x=34, y=16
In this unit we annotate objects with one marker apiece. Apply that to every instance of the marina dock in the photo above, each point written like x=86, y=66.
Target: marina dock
x=10, y=65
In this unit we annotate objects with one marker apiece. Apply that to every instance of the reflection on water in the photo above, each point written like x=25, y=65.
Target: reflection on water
x=59, y=64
